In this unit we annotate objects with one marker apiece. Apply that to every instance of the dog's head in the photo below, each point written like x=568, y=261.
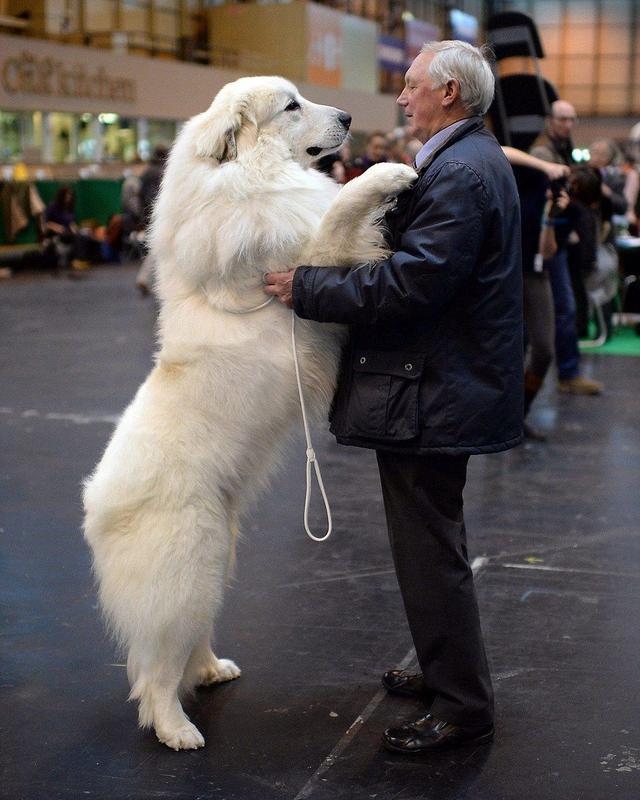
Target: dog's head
x=253, y=109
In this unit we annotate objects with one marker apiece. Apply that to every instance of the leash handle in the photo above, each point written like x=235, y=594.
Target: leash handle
x=311, y=456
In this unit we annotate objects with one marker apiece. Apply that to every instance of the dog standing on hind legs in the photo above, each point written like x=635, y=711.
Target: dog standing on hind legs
x=208, y=426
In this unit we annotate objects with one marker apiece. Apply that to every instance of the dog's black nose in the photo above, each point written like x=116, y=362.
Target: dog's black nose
x=345, y=119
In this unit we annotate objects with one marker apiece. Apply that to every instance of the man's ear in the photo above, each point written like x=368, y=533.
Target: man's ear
x=220, y=125
x=451, y=93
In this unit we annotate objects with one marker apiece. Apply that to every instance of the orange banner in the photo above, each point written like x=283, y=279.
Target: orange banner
x=324, y=45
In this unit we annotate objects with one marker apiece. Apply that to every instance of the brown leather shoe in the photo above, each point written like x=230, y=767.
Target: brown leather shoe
x=581, y=385
x=404, y=684
x=430, y=733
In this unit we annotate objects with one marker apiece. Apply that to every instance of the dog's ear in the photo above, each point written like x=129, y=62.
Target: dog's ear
x=220, y=126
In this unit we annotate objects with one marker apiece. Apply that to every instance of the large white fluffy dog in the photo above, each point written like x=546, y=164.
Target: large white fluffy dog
x=202, y=435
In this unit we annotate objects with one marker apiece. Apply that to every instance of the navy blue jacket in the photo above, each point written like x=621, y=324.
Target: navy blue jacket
x=435, y=357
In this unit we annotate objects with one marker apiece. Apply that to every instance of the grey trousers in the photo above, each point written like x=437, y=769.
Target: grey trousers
x=423, y=505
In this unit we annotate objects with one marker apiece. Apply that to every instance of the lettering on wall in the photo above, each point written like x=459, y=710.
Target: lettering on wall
x=27, y=74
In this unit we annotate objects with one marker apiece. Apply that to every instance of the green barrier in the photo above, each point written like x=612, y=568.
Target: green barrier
x=96, y=199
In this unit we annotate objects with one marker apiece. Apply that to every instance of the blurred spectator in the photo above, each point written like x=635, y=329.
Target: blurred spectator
x=590, y=216
x=130, y=201
x=538, y=210
x=557, y=146
x=631, y=191
x=412, y=148
x=634, y=142
x=376, y=151
x=65, y=246
x=396, y=147
x=333, y=166
x=556, y=143
x=603, y=156
x=150, y=181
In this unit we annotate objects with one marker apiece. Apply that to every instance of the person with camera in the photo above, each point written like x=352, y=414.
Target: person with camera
x=557, y=146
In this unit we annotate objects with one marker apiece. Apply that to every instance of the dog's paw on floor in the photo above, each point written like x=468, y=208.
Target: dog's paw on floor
x=219, y=671
x=186, y=737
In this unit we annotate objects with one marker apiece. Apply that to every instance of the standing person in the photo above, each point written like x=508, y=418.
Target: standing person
x=375, y=152
x=604, y=156
x=150, y=181
x=557, y=146
x=433, y=374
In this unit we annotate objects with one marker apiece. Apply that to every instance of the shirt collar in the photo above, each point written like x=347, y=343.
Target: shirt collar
x=432, y=144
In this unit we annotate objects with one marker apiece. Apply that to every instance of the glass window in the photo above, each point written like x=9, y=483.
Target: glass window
x=550, y=37
x=612, y=100
x=99, y=15
x=580, y=11
x=161, y=131
x=135, y=17
x=549, y=11
x=10, y=136
x=88, y=138
x=62, y=129
x=615, y=40
x=118, y=137
x=618, y=12
x=578, y=70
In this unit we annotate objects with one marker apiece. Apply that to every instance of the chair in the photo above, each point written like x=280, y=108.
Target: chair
x=521, y=102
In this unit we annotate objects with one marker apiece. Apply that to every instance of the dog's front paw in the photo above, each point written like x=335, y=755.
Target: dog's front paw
x=219, y=671
x=387, y=180
x=186, y=737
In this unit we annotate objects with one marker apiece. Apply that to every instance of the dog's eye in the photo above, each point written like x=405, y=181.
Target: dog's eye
x=294, y=105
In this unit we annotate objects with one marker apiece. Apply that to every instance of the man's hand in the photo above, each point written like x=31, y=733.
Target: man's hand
x=556, y=171
x=279, y=284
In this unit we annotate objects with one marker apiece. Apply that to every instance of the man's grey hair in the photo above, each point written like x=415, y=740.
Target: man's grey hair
x=461, y=61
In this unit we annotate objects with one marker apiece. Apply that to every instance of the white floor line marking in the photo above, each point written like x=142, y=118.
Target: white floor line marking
x=343, y=577
x=78, y=419
x=363, y=716
x=576, y=571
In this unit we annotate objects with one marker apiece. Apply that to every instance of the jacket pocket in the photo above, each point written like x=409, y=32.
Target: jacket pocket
x=383, y=401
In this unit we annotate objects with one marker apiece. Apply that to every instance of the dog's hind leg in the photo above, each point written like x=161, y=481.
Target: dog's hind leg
x=173, y=616
x=205, y=668
x=156, y=688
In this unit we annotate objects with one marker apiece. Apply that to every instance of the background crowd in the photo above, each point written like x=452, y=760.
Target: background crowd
x=573, y=213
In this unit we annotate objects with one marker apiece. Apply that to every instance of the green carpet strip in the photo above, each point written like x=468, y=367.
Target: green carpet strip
x=623, y=342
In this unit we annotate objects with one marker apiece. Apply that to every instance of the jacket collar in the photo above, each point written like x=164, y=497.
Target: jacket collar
x=470, y=126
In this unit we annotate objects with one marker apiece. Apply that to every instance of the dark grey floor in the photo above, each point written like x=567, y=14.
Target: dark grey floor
x=312, y=625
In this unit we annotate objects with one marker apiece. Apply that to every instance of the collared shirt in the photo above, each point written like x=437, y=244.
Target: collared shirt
x=432, y=144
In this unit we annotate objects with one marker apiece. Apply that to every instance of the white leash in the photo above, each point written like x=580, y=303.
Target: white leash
x=311, y=455
x=248, y=310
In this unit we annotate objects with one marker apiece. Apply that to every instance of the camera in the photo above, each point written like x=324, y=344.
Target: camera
x=557, y=186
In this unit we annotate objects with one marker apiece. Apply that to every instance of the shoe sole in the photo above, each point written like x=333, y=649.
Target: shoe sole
x=486, y=738
x=412, y=693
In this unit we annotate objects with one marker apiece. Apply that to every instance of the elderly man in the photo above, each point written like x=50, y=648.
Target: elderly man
x=433, y=374
x=557, y=146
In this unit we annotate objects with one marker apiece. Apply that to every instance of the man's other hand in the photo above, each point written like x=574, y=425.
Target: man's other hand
x=279, y=284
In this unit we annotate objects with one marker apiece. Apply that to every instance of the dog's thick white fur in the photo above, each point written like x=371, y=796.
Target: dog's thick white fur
x=208, y=425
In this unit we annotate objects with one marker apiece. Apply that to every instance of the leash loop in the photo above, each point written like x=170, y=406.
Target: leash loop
x=311, y=455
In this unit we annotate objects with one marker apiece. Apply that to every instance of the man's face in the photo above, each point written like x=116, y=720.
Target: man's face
x=600, y=155
x=422, y=105
x=377, y=149
x=563, y=118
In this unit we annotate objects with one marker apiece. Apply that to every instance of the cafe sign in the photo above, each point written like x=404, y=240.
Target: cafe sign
x=28, y=74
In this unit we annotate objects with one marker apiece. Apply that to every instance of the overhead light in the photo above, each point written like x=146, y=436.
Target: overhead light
x=108, y=119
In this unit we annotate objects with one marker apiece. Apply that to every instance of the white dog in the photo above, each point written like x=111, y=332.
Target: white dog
x=198, y=442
